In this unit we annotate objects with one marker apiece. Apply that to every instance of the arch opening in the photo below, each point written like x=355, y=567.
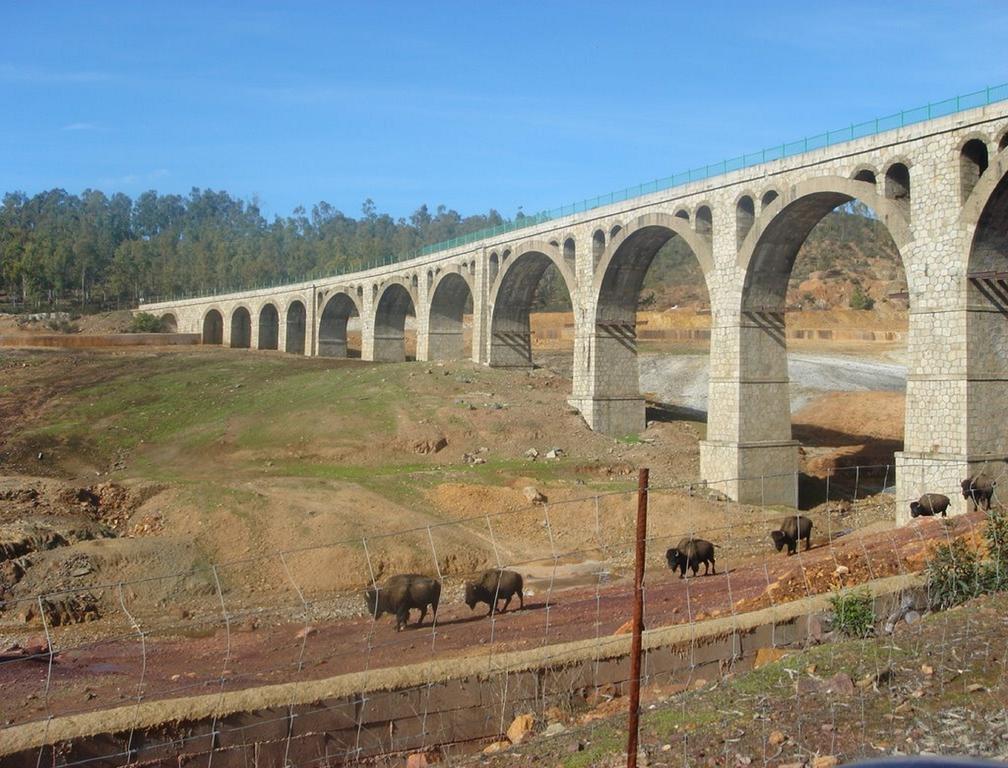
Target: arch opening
x=768, y=197
x=339, y=328
x=269, y=327
x=213, y=328
x=532, y=323
x=745, y=215
x=241, y=329
x=973, y=162
x=395, y=306
x=494, y=267
x=897, y=185
x=297, y=328
x=169, y=323
x=822, y=346
x=598, y=246
x=987, y=328
x=1003, y=142
x=866, y=175
x=450, y=321
x=652, y=333
x=704, y=221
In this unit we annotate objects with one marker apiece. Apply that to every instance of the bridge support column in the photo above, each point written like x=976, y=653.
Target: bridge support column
x=254, y=333
x=607, y=379
x=387, y=348
x=511, y=348
x=480, y=316
x=441, y=344
x=957, y=400
x=749, y=454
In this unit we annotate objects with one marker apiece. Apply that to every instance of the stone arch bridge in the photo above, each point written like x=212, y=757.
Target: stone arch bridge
x=939, y=186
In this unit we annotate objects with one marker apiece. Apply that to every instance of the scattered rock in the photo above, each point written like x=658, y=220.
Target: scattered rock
x=840, y=684
x=824, y=761
x=911, y=617
x=520, y=727
x=776, y=738
x=533, y=495
x=927, y=669
x=430, y=445
x=625, y=629
x=532, y=454
x=305, y=632
x=422, y=759
x=554, y=729
x=766, y=656
x=495, y=747
x=554, y=453
x=975, y=688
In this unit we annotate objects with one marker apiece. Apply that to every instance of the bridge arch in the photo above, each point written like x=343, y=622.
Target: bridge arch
x=611, y=400
x=393, y=305
x=986, y=216
x=337, y=312
x=974, y=158
x=169, y=323
x=511, y=301
x=297, y=327
x=756, y=357
x=213, y=327
x=767, y=254
x=269, y=326
x=451, y=298
x=241, y=328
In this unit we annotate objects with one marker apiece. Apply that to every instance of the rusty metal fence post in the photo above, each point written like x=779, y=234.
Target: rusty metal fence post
x=638, y=617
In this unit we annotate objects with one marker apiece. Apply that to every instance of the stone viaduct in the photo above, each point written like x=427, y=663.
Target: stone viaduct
x=939, y=186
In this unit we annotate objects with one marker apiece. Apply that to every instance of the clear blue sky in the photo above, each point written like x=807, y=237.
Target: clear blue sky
x=474, y=105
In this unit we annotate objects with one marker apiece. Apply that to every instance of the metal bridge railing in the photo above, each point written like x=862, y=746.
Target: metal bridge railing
x=852, y=132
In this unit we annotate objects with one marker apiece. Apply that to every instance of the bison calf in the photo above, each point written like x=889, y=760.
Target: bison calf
x=791, y=531
x=930, y=504
x=979, y=489
x=493, y=585
x=402, y=593
x=690, y=553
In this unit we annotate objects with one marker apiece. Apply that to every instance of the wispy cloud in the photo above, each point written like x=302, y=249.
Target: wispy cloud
x=34, y=75
x=81, y=127
x=133, y=179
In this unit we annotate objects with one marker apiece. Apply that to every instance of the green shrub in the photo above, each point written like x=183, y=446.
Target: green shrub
x=861, y=300
x=144, y=322
x=854, y=612
x=62, y=326
x=955, y=574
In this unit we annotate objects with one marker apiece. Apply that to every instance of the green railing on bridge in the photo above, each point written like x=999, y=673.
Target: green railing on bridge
x=931, y=111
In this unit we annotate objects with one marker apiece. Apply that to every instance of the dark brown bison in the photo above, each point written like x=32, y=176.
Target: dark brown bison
x=791, y=531
x=930, y=504
x=400, y=594
x=493, y=585
x=690, y=553
x=979, y=489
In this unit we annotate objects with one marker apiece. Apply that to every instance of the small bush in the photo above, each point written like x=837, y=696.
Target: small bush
x=861, y=300
x=144, y=322
x=854, y=612
x=62, y=326
x=955, y=574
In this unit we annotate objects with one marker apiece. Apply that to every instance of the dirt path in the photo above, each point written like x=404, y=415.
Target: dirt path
x=210, y=658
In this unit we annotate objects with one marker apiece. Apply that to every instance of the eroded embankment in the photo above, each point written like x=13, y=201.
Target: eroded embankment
x=404, y=708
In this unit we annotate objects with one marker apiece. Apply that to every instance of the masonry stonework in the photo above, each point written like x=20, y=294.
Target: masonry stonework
x=946, y=211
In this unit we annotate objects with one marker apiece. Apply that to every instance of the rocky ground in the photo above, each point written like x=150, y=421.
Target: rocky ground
x=933, y=686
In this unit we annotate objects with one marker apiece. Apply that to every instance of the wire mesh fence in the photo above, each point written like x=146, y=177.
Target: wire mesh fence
x=209, y=666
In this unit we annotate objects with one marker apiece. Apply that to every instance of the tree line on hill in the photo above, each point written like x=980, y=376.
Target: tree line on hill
x=92, y=251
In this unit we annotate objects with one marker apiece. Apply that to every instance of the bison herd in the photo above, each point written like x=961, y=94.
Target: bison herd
x=410, y=591
x=406, y=592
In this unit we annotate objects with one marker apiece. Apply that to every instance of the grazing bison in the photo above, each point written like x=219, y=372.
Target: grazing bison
x=689, y=553
x=979, y=489
x=791, y=531
x=493, y=585
x=402, y=593
x=930, y=504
